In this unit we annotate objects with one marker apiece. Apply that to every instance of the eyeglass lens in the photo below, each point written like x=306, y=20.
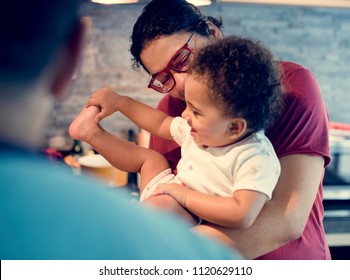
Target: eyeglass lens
x=164, y=81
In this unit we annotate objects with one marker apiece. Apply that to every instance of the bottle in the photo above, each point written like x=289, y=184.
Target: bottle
x=132, y=177
x=77, y=149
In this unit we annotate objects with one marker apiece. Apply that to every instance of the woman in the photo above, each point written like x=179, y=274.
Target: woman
x=290, y=226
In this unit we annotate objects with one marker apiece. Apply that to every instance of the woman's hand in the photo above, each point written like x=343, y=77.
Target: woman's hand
x=177, y=191
x=107, y=100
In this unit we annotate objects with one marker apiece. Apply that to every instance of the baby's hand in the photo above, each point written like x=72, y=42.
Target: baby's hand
x=106, y=100
x=177, y=191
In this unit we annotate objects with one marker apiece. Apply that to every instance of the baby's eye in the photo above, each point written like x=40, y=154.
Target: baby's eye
x=194, y=112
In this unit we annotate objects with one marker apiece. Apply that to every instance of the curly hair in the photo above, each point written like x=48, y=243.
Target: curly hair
x=160, y=19
x=243, y=79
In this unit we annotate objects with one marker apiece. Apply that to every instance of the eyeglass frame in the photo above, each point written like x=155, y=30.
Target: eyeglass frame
x=169, y=67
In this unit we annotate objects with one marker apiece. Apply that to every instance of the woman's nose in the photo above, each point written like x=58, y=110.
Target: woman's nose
x=180, y=79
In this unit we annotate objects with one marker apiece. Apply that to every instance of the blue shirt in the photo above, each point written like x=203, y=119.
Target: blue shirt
x=46, y=212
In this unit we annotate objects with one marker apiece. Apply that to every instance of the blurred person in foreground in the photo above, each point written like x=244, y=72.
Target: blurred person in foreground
x=46, y=212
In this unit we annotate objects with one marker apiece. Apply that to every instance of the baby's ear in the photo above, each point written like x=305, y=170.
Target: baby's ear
x=237, y=127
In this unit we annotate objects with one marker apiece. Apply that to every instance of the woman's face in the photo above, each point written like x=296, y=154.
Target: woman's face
x=157, y=55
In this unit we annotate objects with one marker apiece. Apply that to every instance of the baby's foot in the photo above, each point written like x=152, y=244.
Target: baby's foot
x=84, y=126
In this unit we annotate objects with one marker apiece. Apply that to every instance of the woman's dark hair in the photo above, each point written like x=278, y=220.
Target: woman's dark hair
x=243, y=79
x=162, y=18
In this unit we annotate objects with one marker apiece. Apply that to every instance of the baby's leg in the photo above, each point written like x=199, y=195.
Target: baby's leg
x=121, y=153
x=126, y=156
x=169, y=204
x=84, y=127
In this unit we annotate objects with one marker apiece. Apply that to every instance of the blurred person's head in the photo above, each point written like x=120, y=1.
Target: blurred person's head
x=160, y=34
x=40, y=44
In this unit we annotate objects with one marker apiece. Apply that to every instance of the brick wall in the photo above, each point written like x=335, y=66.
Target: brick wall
x=315, y=37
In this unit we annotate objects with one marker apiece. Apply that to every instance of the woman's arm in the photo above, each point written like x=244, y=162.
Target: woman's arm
x=284, y=217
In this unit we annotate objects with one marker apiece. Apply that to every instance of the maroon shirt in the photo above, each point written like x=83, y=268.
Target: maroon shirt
x=303, y=129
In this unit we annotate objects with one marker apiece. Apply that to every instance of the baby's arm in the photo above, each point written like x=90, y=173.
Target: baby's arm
x=238, y=211
x=106, y=100
x=144, y=116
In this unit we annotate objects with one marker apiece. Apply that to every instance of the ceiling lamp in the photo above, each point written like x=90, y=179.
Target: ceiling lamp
x=314, y=3
x=111, y=2
x=200, y=2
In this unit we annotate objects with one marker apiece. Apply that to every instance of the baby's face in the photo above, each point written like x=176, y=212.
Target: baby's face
x=209, y=126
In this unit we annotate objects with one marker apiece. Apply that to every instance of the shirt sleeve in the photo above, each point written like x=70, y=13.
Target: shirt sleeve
x=257, y=169
x=257, y=175
x=303, y=126
x=179, y=130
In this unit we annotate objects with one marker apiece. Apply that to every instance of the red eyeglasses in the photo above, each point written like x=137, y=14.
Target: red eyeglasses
x=164, y=81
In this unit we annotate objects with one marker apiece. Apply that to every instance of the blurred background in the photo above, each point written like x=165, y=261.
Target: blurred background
x=317, y=37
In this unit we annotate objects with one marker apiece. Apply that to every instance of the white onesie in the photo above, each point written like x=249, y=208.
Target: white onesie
x=249, y=164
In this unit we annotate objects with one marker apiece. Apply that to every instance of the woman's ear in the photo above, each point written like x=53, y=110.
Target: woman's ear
x=68, y=60
x=214, y=30
x=237, y=127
